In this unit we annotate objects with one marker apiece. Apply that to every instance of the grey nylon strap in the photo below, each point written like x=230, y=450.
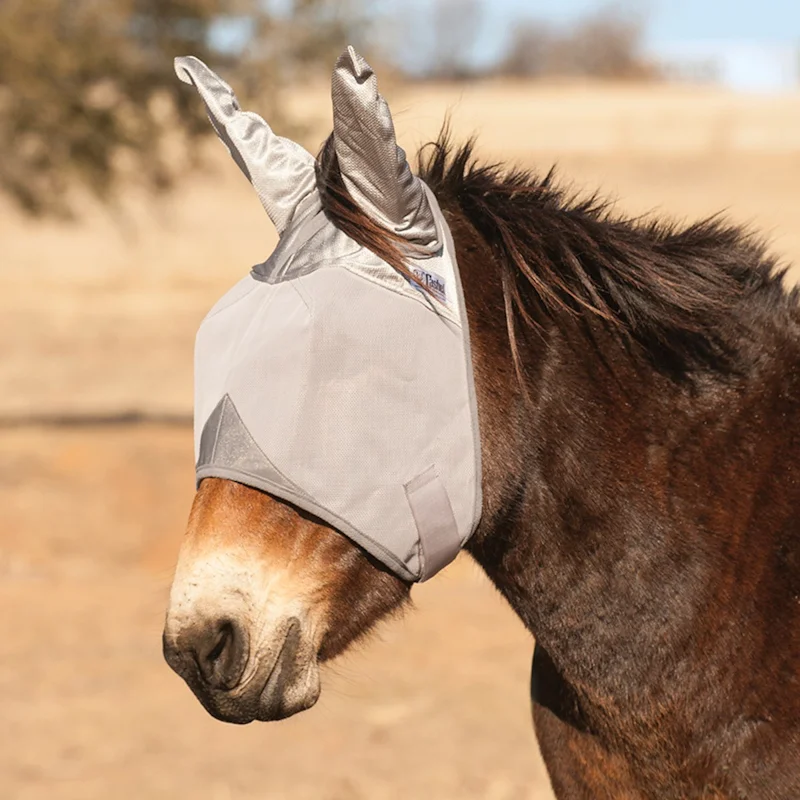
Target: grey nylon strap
x=437, y=527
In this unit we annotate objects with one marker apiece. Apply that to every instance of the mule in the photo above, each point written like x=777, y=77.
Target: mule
x=638, y=390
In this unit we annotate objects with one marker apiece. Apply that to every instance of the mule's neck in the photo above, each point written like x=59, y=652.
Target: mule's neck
x=591, y=495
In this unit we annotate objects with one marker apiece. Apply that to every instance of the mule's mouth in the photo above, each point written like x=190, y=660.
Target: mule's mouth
x=263, y=594
x=277, y=681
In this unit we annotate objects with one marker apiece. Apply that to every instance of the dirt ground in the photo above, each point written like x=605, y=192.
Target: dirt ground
x=98, y=318
x=434, y=706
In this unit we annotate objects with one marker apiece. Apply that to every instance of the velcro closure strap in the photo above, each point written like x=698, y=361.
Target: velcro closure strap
x=436, y=524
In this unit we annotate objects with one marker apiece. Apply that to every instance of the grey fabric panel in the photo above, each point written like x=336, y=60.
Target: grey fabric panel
x=226, y=440
x=439, y=539
x=281, y=171
x=374, y=168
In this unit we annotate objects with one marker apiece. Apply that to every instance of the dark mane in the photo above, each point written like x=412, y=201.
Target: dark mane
x=349, y=218
x=673, y=295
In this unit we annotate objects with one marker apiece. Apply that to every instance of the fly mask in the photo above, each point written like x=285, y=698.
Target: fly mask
x=325, y=377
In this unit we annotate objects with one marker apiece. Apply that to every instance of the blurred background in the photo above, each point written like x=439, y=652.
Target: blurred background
x=122, y=220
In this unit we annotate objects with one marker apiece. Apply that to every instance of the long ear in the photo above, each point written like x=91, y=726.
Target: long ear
x=281, y=171
x=374, y=168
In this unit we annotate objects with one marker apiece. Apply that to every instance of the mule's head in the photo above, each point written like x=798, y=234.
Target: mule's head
x=262, y=594
x=316, y=384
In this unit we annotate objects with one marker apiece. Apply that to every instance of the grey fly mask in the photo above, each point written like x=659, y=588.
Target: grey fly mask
x=326, y=378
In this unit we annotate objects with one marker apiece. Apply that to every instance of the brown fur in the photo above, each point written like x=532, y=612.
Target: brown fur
x=639, y=400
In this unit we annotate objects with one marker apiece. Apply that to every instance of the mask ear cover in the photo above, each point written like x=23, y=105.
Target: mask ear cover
x=374, y=168
x=325, y=377
x=280, y=170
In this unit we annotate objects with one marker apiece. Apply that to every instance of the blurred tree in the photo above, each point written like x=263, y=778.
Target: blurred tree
x=87, y=86
x=605, y=44
x=530, y=51
x=456, y=25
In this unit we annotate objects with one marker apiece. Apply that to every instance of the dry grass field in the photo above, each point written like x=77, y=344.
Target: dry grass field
x=98, y=318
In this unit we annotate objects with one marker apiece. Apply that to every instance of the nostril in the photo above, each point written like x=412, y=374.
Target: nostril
x=225, y=634
x=220, y=651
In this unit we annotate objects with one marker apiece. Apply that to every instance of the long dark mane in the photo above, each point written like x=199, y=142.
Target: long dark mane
x=672, y=295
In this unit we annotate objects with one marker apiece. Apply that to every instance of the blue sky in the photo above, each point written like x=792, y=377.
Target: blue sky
x=665, y=20
x=777, y=20
x=673, y=19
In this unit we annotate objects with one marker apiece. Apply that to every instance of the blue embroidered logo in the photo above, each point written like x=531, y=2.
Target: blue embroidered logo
x=434, y=283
